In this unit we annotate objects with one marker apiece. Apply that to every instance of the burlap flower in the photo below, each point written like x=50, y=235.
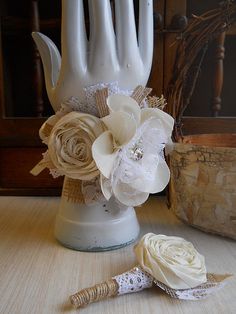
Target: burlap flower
x=171, y=260
x=129, y=154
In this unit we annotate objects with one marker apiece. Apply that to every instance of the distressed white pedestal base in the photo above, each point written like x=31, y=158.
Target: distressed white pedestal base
x=98, y=227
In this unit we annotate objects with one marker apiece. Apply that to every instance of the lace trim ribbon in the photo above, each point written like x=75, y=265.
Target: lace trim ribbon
x=214, y=283
x=85, y=192
x=133, y=280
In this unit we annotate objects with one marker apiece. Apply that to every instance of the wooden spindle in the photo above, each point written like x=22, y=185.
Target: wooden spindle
x=37, y=68
x=218, y=74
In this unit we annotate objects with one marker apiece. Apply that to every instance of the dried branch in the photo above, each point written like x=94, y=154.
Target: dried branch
x=195, y=39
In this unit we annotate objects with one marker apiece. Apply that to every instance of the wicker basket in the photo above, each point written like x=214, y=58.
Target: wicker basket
x=203, y=184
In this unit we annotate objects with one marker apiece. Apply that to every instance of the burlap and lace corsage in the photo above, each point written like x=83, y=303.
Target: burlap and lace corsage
x=122, y=145
x=168, y=262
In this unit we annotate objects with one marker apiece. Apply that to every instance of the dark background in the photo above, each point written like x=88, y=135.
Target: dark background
x=17, y=59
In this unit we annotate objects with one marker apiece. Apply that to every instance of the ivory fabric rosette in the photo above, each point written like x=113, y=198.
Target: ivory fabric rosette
x=69, y=138
x=129, y=154
x=171, y=260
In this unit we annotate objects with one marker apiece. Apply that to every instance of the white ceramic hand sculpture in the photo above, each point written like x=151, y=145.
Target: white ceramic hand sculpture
x=106, y=57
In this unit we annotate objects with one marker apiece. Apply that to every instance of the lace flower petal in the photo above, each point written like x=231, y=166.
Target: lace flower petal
x=129, y=196
x=166, y=119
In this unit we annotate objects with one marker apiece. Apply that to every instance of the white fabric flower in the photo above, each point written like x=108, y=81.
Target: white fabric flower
x=171, y=260
x=129, y=154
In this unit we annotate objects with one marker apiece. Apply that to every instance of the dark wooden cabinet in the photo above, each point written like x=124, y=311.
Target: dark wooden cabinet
x=23, y=100
x=24, y=104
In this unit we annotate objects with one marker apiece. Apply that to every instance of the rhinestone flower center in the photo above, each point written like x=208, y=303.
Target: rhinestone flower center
x=136, y=151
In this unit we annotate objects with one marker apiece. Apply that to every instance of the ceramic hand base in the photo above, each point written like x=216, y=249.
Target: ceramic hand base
x=107, y=57
x=99, y=226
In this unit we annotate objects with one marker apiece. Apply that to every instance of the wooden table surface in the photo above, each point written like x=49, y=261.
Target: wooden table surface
x=37, y=274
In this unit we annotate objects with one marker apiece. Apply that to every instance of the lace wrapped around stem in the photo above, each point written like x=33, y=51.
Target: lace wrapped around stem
x=136, y=280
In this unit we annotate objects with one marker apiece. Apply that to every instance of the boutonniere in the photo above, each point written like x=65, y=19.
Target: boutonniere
x=168, y=262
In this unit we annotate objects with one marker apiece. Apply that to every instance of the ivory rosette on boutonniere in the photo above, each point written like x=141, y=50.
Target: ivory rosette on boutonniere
x=171, y=260
x=121, y=145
